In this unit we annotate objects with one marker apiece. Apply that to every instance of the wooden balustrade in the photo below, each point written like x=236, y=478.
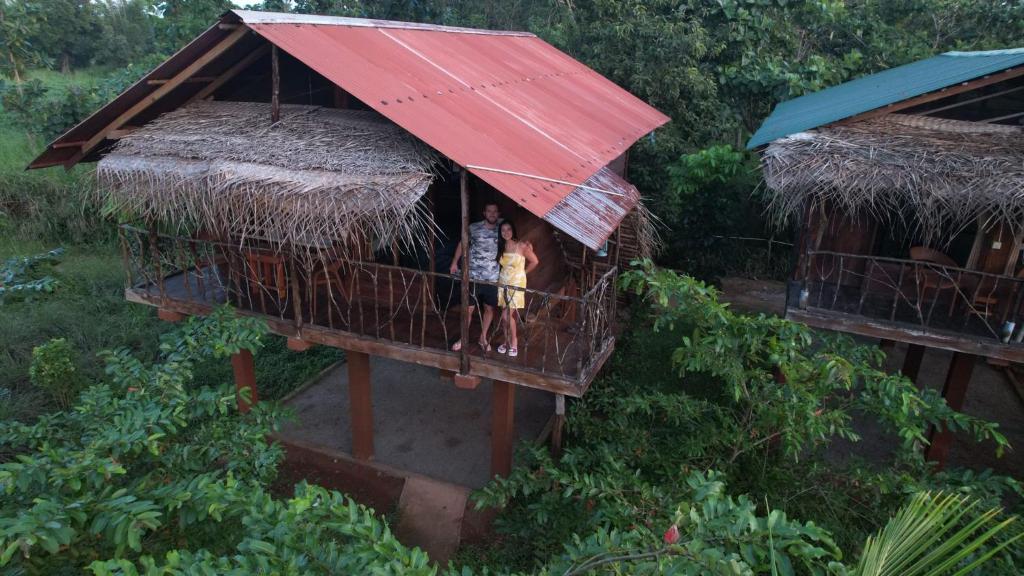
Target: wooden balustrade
x=913, y=292
x=561, y=336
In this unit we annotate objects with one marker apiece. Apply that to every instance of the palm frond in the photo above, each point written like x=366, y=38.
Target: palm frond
x=935, y=535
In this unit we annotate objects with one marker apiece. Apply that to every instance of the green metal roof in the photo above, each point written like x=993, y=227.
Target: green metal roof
x=880, y=89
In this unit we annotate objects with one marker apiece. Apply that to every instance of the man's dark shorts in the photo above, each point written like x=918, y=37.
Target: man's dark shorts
x=483, y=294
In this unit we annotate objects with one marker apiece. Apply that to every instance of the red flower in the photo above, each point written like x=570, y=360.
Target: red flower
x=672, y=534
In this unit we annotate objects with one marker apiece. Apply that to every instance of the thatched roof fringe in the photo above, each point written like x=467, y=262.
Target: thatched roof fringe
x=931, y=175
x=324, y=180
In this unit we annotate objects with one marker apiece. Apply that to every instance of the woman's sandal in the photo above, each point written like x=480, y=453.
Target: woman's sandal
x=486, y=347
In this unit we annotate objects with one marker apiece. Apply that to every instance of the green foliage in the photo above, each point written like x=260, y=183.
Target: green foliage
x=53, y=370
x=933, y=535
x=19, y=275
x=756, y=398
x=791, y=385
x=149, y=474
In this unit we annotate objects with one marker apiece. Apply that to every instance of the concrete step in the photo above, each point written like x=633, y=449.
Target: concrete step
x=430, y=516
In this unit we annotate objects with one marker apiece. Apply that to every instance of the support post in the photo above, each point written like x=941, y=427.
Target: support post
x=245, y=377
x=275, y=101
x=502, y=427
x=464, y=295
x=912, y=361
x=558, y=425
x=360, y=404
x=954, y=391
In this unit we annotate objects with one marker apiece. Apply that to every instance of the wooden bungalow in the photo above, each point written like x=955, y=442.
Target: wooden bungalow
x=908, y=190
x=318, y=173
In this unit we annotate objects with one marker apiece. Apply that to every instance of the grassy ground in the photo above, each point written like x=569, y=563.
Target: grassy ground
x=45, y=209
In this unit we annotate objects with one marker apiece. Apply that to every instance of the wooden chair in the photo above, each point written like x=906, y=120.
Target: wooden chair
x=930, y=279
x=266, y=272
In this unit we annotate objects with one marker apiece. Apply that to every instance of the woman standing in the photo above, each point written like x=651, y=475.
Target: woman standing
x=517, y=259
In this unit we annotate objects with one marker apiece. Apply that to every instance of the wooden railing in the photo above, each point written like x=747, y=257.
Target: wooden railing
x=914, y=292
x=560, y=335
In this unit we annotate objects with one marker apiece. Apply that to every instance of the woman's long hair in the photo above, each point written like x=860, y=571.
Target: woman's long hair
x=501, y=237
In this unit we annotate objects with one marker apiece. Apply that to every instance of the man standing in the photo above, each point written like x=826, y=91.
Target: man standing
x=483, y=267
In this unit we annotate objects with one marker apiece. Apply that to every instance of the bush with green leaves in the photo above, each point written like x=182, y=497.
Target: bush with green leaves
x=53, y=371
x=758, y=399
x=20, y=275
x=149, y=473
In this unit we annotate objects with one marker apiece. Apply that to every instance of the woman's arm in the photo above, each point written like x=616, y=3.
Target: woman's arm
x=531, y=258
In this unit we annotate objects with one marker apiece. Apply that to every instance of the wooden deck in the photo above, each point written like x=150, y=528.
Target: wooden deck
x=914, y=302
x=402, y=319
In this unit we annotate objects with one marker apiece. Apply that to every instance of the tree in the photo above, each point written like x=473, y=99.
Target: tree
x=19, y=22
x=71, y=33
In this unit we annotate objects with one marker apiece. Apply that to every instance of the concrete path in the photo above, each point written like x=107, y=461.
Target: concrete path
x=430, y=516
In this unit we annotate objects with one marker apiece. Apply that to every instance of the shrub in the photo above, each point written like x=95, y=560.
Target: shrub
x=53, y=371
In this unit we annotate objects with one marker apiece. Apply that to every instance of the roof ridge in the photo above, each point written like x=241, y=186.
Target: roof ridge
x=260, y=17
x=1001, y=52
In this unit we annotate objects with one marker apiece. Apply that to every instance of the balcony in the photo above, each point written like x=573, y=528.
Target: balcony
x=912, y=301
x=380, y=309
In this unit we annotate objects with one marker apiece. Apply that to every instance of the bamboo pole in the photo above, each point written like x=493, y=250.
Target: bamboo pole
x=275, y=100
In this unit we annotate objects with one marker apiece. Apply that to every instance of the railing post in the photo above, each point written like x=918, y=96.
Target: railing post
x=464, y=297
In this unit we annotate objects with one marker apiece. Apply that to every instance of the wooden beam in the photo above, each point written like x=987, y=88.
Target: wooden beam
x=275, y=87
x=954, y=391
x=360, y=404
x=910, y=334
x=75, y=144
x=557, y=425
x=192, y=80
x=299, y=345
x=503, y=412
x=912, y=361
x=937, y=95
x=218, y=49
x=121, y=132
x=230, y=73
x=1001, y=118
x=169, y=315
x=464, y=289
x=973, y=100
x=245, y=377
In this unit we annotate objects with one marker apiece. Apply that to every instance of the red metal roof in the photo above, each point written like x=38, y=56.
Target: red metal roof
x=508, y=102
x=521, y=115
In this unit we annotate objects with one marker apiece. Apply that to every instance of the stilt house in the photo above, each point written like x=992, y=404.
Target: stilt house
x=908, y=189
x=318, y=173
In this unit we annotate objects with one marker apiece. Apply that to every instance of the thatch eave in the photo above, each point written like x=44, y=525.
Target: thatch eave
x=936, y=176
x=319, y=179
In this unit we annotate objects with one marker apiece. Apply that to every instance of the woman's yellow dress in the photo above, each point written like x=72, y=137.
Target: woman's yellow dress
x=513, y=273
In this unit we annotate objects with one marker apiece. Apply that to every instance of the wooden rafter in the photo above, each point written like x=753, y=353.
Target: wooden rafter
x=230, y=73
x=937, y=95
x=229, y=41
x=973, y=100
x=194, y=79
